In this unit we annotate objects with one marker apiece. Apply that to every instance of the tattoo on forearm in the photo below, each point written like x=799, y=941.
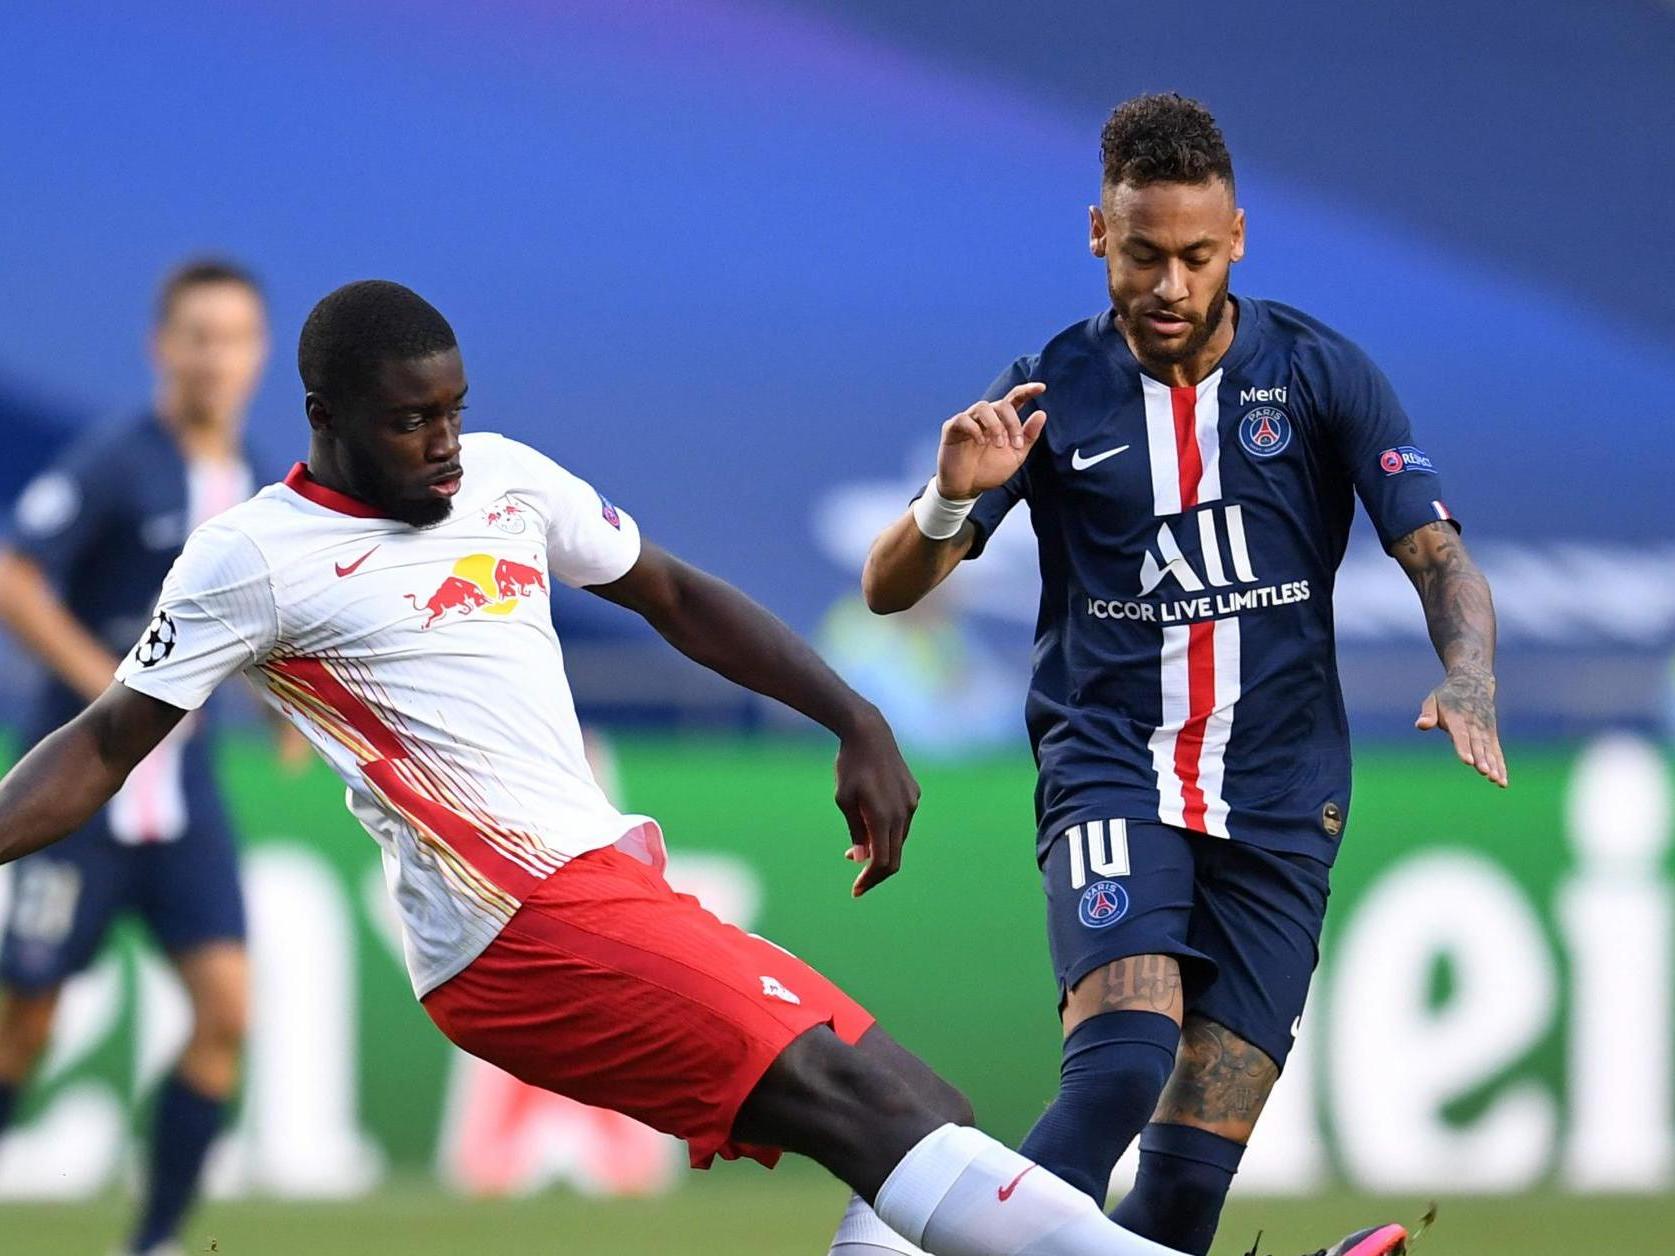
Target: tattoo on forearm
x=1460, y=613
x=1220, y=1080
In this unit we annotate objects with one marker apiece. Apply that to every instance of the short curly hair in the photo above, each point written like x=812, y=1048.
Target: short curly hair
x=361, y=325
x=1163, y=138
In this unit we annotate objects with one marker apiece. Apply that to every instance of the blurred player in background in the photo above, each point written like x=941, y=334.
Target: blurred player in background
x=90, y=542
x=390, y=598
x=1192, y=496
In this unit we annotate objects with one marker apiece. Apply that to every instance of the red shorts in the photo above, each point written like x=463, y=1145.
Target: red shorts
x=610, y=988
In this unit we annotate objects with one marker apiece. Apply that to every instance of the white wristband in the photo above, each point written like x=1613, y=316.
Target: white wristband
x=938, y=517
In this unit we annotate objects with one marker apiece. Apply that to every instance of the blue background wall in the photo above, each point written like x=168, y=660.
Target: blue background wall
x=731, y=258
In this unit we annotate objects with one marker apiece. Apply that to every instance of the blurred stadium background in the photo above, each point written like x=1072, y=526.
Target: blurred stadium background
x=734, y=260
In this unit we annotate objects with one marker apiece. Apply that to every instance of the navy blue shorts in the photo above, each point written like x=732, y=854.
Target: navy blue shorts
x=65, y=897
x=1244, y=922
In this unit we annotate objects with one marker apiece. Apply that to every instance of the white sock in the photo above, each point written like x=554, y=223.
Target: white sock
x=960, y=1193
x=861, y=1233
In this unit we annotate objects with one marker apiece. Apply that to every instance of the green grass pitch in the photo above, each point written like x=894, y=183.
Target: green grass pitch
x=741, y=1212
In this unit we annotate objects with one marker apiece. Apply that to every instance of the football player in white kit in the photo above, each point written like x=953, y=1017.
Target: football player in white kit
x=390, y=599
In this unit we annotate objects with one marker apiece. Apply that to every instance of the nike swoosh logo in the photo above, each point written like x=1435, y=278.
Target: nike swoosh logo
x=1005, y=1192
x=350, y=569
x=1082, y=464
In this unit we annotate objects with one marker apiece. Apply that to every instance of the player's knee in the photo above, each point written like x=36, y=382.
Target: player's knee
x=221, y=1023
x=1119, y=1061
x=1221, y=1083
x=225, y=1029
x=949, y=1105
x=25, y=1027
x=845, y=1082
x=944, y=1099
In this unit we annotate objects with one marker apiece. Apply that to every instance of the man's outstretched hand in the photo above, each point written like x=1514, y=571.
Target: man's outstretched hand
x=1463, y=706
x=877, y=794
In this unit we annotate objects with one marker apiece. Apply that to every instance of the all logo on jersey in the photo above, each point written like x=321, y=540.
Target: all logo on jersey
x=481, y=582
x=507, y=516
x=1203, y=589
x=158, y=642
x=1406, y=458
x=1265, y=431
x=1216, y=570
x=1103, y=904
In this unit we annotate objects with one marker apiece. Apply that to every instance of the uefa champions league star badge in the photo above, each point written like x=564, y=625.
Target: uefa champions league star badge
x=158, y=642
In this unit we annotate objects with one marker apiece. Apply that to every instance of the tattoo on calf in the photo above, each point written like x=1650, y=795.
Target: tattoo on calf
x=1219, y=1079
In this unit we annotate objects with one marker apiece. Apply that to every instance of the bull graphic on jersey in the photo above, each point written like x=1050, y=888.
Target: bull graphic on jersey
x=481, y=582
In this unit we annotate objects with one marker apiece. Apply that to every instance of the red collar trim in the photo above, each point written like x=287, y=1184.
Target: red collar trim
x=301, y=482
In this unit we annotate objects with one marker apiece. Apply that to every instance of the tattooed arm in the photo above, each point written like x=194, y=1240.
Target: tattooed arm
x=1461, y=617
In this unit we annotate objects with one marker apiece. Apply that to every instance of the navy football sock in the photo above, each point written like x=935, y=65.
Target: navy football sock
x=1184, y=1176
x=183, y=1126
x=8, y=1102
x=1115, y=1065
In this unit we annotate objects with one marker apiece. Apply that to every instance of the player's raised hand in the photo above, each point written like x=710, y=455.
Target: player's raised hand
x=877, y=794
x=1463, y=706
x=983, y=445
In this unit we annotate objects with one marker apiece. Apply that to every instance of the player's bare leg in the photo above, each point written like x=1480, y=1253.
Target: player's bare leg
x=1192, y=1148
x=192, y=1102
x=1193, y=1145
x=1221, y=1082
x=25, y=1026
x=1121, y=1025
x=902, y=1144
x=217, y=977
x=860, y=1232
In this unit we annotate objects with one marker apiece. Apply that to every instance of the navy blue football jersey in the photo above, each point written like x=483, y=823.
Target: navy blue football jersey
x=104, y=523
x=1184, y=666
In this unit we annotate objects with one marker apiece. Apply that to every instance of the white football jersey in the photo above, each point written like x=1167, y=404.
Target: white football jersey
x=423, y=664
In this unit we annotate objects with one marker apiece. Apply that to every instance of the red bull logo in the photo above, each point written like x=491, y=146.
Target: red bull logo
x=481, y=582
x=506, y=515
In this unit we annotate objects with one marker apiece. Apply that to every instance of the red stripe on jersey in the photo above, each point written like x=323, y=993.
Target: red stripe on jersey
x=1185, y=404
x=1201, y=701
x=462, y=836
x=315, y=675
x=458, y=831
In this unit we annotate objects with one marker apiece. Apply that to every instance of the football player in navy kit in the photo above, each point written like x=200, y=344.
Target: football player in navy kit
x=89, y=544
x=1192, y=496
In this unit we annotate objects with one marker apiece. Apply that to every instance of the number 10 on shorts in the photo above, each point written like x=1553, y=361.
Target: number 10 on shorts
x=1100, y=846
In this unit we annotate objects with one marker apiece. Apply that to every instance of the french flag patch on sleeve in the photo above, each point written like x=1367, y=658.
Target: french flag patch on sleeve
x=1443, y=512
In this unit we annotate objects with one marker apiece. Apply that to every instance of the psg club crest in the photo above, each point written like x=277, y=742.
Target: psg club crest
x=1265, y=431
x=1103, y=904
